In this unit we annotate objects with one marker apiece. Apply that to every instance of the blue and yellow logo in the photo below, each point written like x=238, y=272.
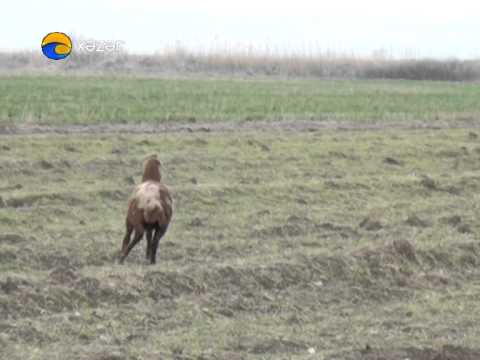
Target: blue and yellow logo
x=56, y=46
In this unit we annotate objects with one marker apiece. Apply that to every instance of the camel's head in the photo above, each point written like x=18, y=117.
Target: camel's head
x=151, y=168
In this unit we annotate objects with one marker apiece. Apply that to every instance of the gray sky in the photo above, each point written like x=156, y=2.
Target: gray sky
x=402, y=28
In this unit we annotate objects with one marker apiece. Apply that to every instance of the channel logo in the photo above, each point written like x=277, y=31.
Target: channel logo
x=56, y=46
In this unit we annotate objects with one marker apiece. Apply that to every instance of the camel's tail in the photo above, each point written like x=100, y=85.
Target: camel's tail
x=153, y=211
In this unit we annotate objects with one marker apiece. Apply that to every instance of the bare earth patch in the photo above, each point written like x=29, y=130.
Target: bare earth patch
x=228, y=126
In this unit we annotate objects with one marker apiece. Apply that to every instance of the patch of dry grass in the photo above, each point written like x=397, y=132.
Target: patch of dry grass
x=350, y=243
x=244, y=63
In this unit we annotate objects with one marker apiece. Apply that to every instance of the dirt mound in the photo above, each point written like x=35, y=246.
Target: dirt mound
x=448, y=352
x=370, y=224
x=12, y=239
x=231, y=289
x=113, y=194
x=472, y=135
x=63, y=261
x=28, y=334
x=36, y=300
x=454, y=220
x=70, y=148
x=287, y=230
x=255, y=345
x=110, y=356
x=45, y=165
x=298, y=226
x=261, y=145
x=415, y=221
x=345, y=185
x=170, y=284
x=11, y=285
x=465, y=229
x=104, y=353
x=31, y=200
x=7, y=256
x=429, y=183
x=63, y=274
x=293, y=226
x=406, y=249
x=196, y=222
x=64, y=290
x=392, y=161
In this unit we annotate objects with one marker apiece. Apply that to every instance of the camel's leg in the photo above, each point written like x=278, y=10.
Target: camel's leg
x=138, y=236
x=159, y=232
x=149, y=243
x=126, y=238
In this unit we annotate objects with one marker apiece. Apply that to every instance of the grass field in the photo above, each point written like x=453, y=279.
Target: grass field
x=83, y=100
x=284, y=244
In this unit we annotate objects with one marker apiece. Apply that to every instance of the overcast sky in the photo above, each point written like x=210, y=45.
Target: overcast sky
x=408, y=27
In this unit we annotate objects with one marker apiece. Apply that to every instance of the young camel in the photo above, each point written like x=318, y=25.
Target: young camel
x=149, y=211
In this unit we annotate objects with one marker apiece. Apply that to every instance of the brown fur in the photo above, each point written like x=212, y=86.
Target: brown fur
x=151, y=169
x=150, y=210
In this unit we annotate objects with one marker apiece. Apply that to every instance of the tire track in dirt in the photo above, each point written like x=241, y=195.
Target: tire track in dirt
x=447, y=352
x=229, y=126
